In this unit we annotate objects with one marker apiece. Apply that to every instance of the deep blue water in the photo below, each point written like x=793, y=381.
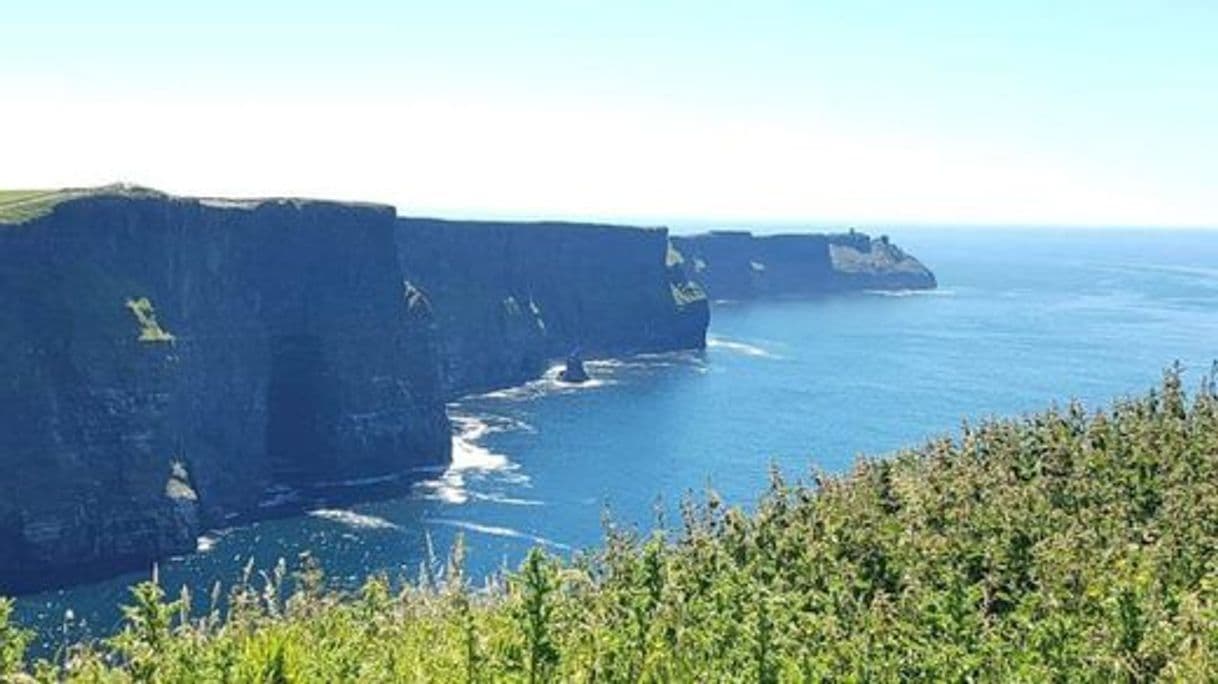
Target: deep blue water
x=1022, y=319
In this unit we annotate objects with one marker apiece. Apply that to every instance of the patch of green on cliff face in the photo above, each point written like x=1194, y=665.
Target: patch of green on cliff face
x=150, y=330
x=686, y=293
x=673, y=257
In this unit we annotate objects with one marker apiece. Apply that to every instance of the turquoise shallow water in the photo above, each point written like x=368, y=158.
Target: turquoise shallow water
x=1022, y=319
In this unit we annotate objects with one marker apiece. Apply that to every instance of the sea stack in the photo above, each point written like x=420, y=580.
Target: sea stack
x=574, y=373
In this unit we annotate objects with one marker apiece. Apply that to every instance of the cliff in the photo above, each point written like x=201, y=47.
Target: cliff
x=512, y=297
x=168, y=362
x=740, y=265
x=165, y=361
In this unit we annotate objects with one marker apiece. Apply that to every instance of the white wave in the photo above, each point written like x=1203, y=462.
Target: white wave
x=470, y=428
x=601, y=370
x=468, y=457
x=548, y=383
x=716, y=342
x=360, y=481
x=279, y=495
x=506, y=424
x=353, y=520
x=1205, y=273
x=496, y=531
x=938, y=292
x=205, y=543
x=500, y=498
x=609, y=365
x=643, y=362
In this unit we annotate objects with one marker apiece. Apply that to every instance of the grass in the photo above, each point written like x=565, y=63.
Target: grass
x=19, y=206
x=1059, y=547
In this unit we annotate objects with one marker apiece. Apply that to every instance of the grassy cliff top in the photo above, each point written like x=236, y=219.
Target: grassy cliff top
x=1062, y=546
x=19, y=206
x=22, y=206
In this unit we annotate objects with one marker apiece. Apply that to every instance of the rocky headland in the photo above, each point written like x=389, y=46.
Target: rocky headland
x=738, y=265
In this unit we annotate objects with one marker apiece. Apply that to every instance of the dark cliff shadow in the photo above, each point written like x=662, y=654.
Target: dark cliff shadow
x=301, y=410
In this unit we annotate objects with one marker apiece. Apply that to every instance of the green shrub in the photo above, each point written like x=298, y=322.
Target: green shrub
x=13, y=641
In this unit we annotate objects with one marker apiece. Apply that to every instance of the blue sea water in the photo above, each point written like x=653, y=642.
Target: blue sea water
x=1022, y=319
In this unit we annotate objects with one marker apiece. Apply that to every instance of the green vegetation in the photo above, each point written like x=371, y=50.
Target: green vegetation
x=673, y=257
x=686, y=293
x=150, y=330
x=19, y=206
x=13, y=641
x=1058, y=547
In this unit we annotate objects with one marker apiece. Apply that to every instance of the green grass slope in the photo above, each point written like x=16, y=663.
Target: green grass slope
x=21, y=206
x=1063, y=546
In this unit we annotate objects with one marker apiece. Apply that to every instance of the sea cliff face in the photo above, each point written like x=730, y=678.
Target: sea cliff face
x=740, y=265
x=167, y=364
x=164, y=362
x=510, y=298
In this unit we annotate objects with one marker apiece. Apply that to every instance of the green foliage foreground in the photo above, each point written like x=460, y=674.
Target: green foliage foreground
x=1059, y=547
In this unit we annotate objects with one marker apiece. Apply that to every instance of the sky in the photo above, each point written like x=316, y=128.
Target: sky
x=684, y=113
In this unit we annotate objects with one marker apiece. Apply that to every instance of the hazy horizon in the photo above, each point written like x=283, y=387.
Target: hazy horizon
x=759, y=115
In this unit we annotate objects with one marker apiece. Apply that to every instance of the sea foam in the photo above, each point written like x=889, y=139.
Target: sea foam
x=469, y=458
x=715, y=342
x=496, y=531
x=357, y=521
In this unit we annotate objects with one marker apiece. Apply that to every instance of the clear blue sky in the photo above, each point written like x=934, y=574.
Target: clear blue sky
x=822, y=112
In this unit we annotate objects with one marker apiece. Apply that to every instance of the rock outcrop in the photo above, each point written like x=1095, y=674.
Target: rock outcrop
x=574, y=372
x=512, y=297
x=165, y=361
x=740, y=265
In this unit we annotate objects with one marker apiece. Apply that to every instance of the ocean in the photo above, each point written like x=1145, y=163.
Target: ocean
x=1023, y=319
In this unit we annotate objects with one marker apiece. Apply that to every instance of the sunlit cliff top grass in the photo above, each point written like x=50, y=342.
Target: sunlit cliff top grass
x=1063, y=546
x=23, y=206
x=19, y=206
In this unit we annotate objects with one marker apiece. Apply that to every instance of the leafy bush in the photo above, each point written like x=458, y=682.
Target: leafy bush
x=13, y=641
x=1061, y=546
